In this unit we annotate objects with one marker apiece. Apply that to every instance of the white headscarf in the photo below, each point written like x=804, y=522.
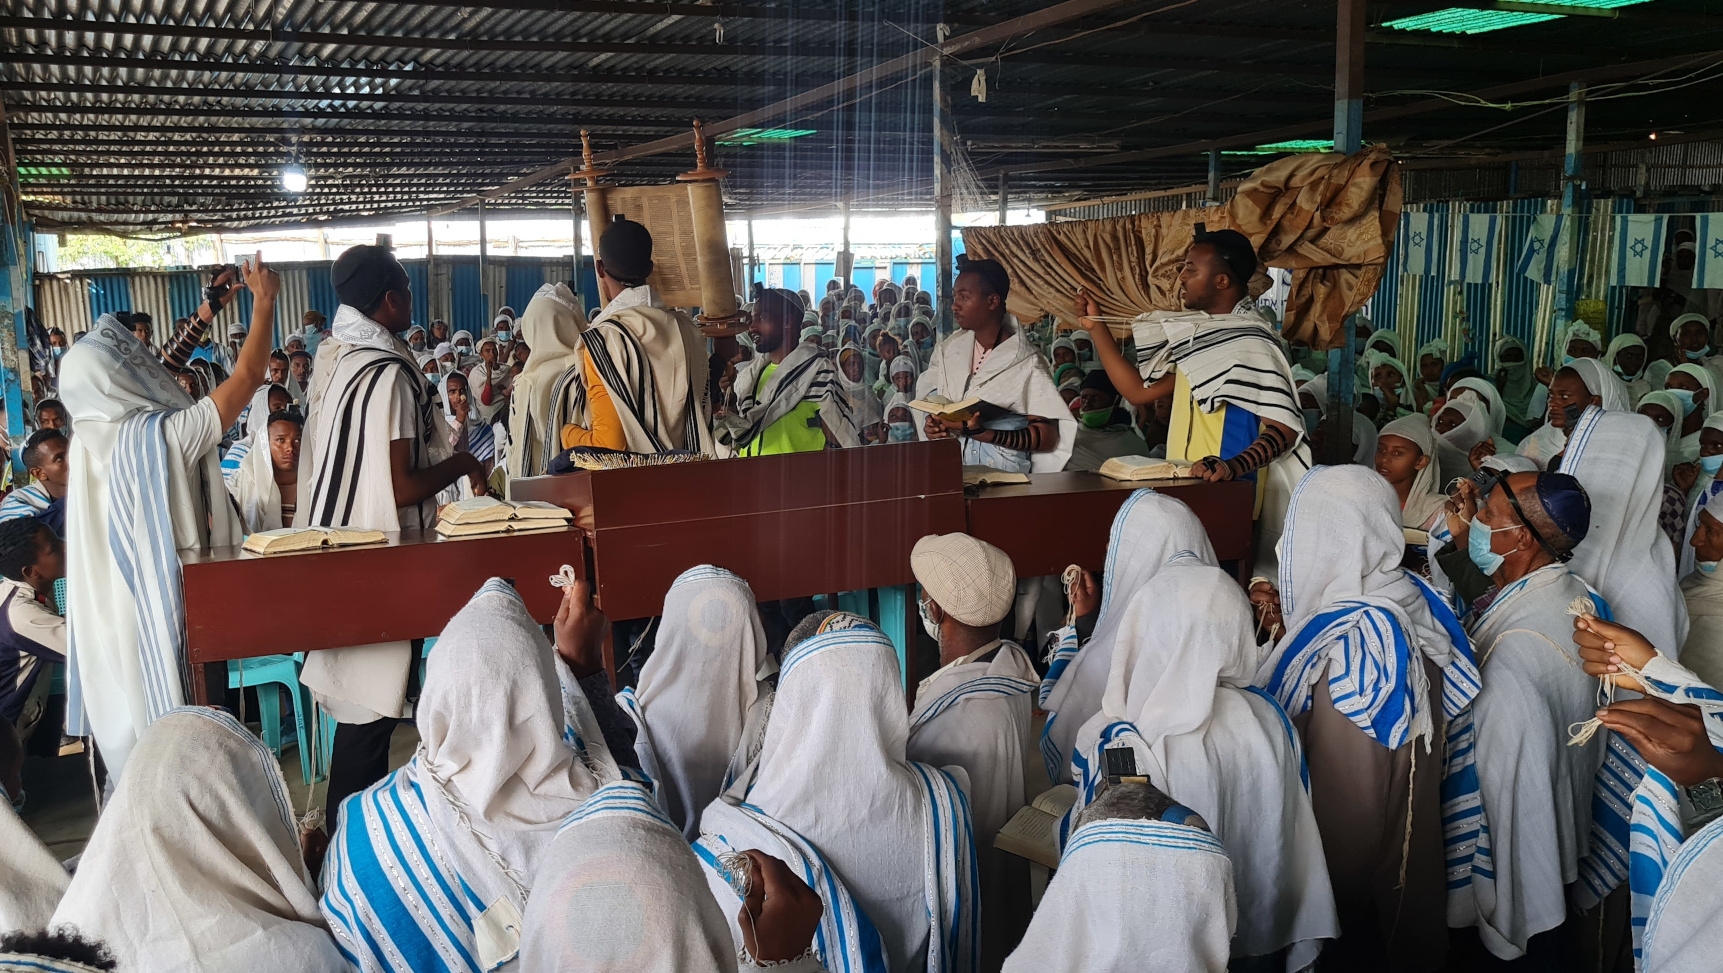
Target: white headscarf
x=1426, y=496
x=1363, y=430
x=1618, y=458
x=253, y=484
x=1672, y=441
x=1576, y=331
x=550, y=326
x=1621, y=343
x=1454, y=447
x=1179, y=695
x=1150, y=531
x=619, y=890
x=195, y=864
x=1600, y=380
x=1488, y=394
x=1702, y=375
x=1133, y=895
x=697, y=688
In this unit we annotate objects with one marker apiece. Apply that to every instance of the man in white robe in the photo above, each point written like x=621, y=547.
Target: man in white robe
x=976, y=712
x=375, y=455
x=1516, y=796
x=145, y=484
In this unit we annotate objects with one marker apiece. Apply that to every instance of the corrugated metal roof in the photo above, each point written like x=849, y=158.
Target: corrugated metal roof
x=151, y=114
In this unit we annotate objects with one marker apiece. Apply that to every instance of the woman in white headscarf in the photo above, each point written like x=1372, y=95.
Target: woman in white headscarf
x=1150, y=531
x=469, y=431
x=619, y=890
x=1179, y=696
x=195, y=865
x=1372, y=664
x=1627, y=357
x=1494, y=401
x=1459, y=425
x=1084, y=345
x=1517, y=387
x=697, y=689
x=1664, y=410
x=550, y=326
x=1392, y=382
x=1692, y=386
x=1313, y=397
x=1431, y=358
x=1411, y=467
x=430, y=868
x=885, y=842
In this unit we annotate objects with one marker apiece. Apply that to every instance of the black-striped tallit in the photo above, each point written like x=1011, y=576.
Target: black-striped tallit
x=350, y=444
x=657, y=386
x=1228, y=358
x=805, y=375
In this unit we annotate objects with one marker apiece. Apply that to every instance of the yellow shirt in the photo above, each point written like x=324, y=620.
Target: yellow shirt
x=606, y=428
x=1194, y=434
x=798, y=432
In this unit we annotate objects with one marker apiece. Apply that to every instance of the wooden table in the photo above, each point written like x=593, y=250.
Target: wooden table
x=239, y=604
x=1059, y=519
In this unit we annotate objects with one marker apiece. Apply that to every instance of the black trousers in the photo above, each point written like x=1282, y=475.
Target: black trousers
x=359, y=754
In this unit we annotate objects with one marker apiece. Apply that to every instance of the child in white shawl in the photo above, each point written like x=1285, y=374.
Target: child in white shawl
x=1150, y=531
x=506, y=755
x=1179, y=695
x=698, y=689
x=195, y=865
x=1372, y=663
x=886, y=842
x=1405, y=457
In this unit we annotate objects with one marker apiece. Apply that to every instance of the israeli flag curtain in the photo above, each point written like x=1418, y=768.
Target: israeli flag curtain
x=1541, y=260
x=1420, y=242
x=1708, y=250
x=1638, y=250
x=1479, y=233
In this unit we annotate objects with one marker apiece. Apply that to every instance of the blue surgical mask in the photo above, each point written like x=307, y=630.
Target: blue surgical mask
x=1696, y=355
x=1567, y=360
x=1709, y=567
x=1312, y=419
x=505, y=335
x=1684, y=397
x=927, y=623
x=1478, y=548
x=1711, y=464
x=902, y=432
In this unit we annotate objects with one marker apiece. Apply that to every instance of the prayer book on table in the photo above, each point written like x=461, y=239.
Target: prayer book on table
x=487, y=527
x=289, y=540
x=975, y=476
x=490, y=510
x=1131, y=468
x=1033, y=832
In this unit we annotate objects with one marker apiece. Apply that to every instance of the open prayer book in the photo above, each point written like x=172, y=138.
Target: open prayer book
x=988, y=476
x=948, y=410
x=288, y=540
x=1130, y=468
x=1033, y=832
x=488, y=515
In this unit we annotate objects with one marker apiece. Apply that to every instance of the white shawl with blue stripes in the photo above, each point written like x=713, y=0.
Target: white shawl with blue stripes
x=833, y=795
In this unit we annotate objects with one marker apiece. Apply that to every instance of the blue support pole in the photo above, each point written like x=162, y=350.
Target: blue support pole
x=1572, y=188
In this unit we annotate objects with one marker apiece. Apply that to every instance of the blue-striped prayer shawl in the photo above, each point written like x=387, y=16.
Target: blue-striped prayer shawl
x=140, y=532
x=981, y=687
x=846, y=940
x=1376, y=676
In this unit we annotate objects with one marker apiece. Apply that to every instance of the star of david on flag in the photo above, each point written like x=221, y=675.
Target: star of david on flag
x=1420, y=244
x=1638, y=258
x=1479, y=250
x=1708, y=250
x=1541, y=257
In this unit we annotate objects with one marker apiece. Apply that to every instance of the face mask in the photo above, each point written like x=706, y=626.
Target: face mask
x=1711, y=464
x=1709, y=567
x=1572, y=413
x=1623, y=375
x=902, y=432
x=1684, y=397
x=1096, y=419
x=1312, y=419
x=1568, y=360
x=1478, y=548
x=504, y=335
x=58, y=352
x=927, y=623
x=1696, y=355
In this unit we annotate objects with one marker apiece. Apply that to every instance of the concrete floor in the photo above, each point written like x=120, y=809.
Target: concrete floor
x=61, y=805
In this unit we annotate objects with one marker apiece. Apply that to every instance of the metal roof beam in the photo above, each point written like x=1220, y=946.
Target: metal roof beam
x=288, y=115
x=408, y=98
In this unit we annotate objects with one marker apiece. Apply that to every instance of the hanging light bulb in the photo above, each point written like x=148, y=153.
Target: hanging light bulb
x=294, y=179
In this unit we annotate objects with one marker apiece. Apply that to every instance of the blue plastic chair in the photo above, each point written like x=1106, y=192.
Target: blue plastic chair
x=264, y=673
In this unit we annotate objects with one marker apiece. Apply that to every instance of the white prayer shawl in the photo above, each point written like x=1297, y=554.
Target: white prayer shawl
x=619, y=890
x=257, y=412
x=1235, y=359
x=1516, y=797
x=195, y=865
x=1454, y=447
x=1424, y=501
x=34, y=879
x=1150, y=531
x=978, y=716
x=1703, y=651
x=1618, y=458
x=27, y=963
x=696, y=690
x=1179, y=695
x=1544, y=444
x=1133, y=895
x=550, y=325
x=1602, y=382
x=1356, y=618
x=344, y=481
x=444, y=850
x=834, y=796
x=805, y=375
x=253, y=485
x=1682, y=933
x=143, y=462
x=1013, y=377
x=652, y=362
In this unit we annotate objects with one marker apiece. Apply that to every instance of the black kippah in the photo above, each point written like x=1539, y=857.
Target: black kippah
x=363, y=274
x=1234, y=249
x=626, y=249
